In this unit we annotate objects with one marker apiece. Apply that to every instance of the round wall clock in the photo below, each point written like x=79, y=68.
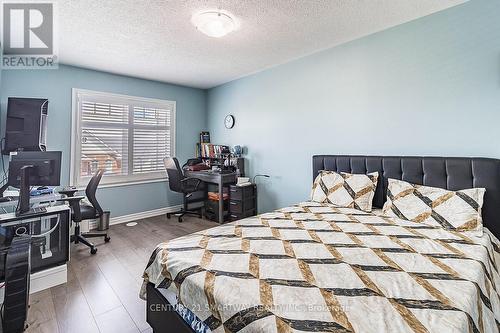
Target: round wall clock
x=229, y=121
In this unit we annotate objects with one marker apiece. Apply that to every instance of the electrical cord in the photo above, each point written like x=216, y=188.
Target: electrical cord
x=2, y=143
x=45, y=233
x=17, y=205
x=5, y=176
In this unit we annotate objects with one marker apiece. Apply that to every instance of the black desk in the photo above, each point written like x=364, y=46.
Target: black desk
x=220, y=179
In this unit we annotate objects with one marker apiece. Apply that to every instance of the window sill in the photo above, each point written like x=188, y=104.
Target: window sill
x=126, y=183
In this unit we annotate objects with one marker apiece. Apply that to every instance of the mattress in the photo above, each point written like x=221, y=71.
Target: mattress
x=316, y=267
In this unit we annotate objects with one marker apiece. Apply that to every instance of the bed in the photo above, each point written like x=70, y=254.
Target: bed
x=315, y=267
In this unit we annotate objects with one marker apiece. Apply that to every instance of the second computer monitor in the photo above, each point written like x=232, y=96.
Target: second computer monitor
x=44, y=168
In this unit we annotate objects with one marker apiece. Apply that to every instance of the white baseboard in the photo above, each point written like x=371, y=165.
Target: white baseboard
x=48, y=278
x=45, y=279
x=143, y=215
x=138, y=216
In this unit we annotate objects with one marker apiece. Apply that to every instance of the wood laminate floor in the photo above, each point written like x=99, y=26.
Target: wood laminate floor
x=101, y=294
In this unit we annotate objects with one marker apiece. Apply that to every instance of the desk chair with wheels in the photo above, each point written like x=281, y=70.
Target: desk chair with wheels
x=179, y=183
x=82, y=211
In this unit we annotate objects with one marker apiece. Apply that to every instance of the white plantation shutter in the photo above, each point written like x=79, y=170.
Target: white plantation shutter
x=127, y=136
x=150, y=148
x=110, y=143
x=151, y=139
x=104, y=112
x=151, y=116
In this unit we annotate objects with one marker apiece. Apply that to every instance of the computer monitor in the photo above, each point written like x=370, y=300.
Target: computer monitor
x=32, y=168
x=26, y=124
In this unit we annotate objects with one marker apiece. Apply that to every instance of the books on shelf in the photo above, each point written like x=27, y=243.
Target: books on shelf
x=205, y=149
x=208, y=150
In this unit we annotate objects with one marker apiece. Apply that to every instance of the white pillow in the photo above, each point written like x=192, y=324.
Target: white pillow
x=345, y=189
x=453, y=210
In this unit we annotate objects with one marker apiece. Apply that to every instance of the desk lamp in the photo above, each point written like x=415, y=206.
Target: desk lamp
x=259, y=175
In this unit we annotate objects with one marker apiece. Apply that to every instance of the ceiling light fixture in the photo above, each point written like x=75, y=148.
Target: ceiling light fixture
x=213, y=23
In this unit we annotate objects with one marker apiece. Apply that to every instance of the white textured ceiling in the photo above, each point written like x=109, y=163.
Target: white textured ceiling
x=155, y=39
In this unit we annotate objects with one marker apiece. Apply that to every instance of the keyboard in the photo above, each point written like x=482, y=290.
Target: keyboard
x=34, y=211
x=38, y=210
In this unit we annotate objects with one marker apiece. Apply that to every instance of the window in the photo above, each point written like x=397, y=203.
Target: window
x=126, y=136
x=93, y=167
x=109, y=165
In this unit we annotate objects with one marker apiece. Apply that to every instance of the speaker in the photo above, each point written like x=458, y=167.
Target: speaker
x=26, y=125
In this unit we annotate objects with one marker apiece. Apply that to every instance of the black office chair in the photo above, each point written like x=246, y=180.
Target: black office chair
x=82, y=212
x=185, y=185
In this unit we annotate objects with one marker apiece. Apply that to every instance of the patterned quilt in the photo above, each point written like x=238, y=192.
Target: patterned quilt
x=318, y=268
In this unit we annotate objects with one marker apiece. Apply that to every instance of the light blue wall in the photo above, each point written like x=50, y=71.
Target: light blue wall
x=428, y=87
x=56, y=85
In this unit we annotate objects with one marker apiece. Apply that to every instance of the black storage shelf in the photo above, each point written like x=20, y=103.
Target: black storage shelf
x=242, y=201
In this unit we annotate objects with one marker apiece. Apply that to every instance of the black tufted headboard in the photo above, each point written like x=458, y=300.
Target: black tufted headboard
x=453, y=173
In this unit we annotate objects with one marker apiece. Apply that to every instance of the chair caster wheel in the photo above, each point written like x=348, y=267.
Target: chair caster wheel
x=107, y=239
x=169, y=215
x=180, y=219
x=93, y=250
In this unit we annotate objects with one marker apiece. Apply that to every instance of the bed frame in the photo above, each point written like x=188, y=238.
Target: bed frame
x=452, y=173
x=161, y=315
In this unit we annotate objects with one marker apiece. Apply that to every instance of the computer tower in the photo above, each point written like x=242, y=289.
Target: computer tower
x=26, y=125
x=17, y=286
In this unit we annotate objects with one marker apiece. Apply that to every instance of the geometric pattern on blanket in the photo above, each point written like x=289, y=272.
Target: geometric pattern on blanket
x=345, y=189
x=319, y=268
x=454, y=210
